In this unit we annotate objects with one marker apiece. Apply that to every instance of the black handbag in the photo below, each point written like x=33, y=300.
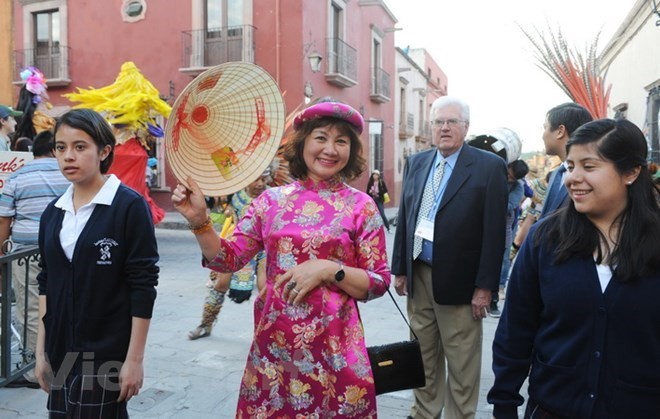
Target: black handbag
x=397, y=366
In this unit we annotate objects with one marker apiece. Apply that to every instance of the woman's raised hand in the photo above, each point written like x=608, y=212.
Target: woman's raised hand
x=190, y=202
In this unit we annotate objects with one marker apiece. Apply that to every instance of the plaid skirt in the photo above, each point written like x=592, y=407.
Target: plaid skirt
x=87, y=396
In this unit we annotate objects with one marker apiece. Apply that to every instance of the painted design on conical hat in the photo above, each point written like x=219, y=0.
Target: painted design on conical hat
x=225, y=128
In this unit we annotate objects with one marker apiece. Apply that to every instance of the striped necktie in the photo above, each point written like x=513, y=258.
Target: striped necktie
x=431, y=190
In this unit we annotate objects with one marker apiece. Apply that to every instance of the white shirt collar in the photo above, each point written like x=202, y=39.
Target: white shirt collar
x=450, y=159
x=104, y=196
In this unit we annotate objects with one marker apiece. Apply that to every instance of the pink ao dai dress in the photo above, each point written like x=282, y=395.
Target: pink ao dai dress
x=309, y=360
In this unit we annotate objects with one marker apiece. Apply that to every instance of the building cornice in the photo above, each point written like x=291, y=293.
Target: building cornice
x=637, y=17
x=380, y=3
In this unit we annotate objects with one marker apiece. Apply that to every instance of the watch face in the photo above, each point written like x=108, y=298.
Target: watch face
x=339, y=275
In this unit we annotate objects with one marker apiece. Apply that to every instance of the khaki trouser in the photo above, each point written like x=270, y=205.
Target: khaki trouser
x=446, y=333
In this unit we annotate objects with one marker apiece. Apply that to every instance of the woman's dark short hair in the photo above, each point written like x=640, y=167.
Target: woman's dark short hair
x=94, y=125
x=293, y=150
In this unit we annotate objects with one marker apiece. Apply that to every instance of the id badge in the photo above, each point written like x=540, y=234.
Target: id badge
x=425, y=229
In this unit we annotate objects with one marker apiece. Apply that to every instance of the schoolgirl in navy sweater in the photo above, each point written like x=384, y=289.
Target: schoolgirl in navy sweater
x=581, y=313
x=97, y=285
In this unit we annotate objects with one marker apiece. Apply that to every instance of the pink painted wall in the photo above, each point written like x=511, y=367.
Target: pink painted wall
x=280, y=54
x=100, y=42
x=303, y=30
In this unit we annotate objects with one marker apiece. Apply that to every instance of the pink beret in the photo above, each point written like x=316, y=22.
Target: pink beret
x=333, y=110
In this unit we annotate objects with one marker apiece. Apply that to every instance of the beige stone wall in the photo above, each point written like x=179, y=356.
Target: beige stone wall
x=6, y=48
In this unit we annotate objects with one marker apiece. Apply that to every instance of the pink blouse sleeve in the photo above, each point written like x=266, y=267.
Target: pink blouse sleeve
x=371, y=249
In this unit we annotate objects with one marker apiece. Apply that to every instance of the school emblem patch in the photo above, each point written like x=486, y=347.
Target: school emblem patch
x=105, y=246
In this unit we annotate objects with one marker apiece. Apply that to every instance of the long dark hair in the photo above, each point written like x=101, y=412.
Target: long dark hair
x=24, y=124
x=637, y=252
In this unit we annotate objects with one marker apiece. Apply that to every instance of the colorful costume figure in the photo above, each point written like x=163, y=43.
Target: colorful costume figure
x=312, y=354
x=242, y=281
x=32, y=101
x=132, y=105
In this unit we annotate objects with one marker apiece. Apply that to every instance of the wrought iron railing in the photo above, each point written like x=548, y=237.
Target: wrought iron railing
x=380, y=83
x=407, y=125
x=342, y=59
x=15, y=358
x=210, y=47
x=53, y=61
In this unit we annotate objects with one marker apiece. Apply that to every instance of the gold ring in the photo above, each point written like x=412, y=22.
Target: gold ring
x=295, y=290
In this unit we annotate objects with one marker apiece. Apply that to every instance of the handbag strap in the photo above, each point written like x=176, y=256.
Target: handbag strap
x=404, y=317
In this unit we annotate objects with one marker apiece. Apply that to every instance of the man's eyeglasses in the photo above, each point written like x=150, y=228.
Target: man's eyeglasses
x=450, y=122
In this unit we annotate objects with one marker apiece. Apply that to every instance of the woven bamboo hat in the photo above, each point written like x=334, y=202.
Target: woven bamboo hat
x=225, y=128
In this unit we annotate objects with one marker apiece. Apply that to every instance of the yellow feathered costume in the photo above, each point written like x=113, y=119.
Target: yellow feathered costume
x=131, y=100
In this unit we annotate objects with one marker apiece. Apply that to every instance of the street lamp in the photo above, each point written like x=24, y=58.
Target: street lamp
x=315, y=61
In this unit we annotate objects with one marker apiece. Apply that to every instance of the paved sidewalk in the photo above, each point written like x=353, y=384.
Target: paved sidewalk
x=200, y=379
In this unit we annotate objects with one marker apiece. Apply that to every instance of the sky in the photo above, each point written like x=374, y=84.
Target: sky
x=489, y=62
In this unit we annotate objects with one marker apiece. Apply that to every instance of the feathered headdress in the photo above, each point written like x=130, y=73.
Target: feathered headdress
x=131, y=101
x=35, y=83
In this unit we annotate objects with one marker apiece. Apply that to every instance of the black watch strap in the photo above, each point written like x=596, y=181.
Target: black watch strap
x=340, y=274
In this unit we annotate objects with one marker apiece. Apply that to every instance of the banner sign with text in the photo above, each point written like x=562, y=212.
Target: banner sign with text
x=10, y=162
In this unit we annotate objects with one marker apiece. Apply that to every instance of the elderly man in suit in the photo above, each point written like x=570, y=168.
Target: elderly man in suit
x=447, y=258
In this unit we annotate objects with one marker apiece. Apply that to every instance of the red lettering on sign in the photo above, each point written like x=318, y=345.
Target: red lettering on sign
x=12, y=165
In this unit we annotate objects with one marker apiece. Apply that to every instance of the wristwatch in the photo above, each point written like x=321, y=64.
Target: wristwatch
x=340, y=274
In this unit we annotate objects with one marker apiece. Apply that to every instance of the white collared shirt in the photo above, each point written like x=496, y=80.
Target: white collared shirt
x=74, y=222
x=604, y=276
x=565, y=173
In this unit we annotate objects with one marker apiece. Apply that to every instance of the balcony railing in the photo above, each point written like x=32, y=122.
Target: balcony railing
x=425, y=130
x=342, y=63
x=406, y=126
x=15, y=359
x=52, y=61
x=380, y=85
x=206, y=48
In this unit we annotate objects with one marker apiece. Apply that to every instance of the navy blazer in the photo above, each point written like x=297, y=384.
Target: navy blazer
x=587, y=353
x=556, y=197
x=469, y=228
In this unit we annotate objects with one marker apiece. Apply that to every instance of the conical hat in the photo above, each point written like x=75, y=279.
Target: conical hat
x=225, y=128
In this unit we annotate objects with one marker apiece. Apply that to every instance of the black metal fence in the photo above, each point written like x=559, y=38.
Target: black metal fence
x=15, y=359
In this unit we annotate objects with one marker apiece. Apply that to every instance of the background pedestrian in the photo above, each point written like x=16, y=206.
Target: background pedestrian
x=377, y=190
